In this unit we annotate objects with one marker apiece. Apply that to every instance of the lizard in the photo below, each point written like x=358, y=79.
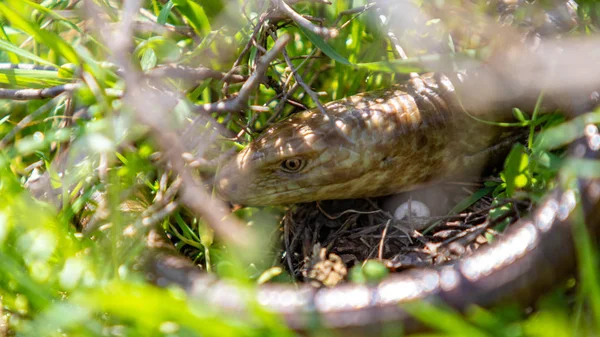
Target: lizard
x=411, y=132
x=518, y=266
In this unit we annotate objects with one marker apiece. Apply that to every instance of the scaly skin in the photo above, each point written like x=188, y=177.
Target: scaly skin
x=523, y=263
x=383, y=142
x=423, y=136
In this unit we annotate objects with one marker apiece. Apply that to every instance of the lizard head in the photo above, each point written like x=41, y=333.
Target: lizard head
x=297, y=160
x=373, y=146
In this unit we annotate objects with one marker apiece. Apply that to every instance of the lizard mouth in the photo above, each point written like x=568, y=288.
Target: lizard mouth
x=240, y=196
x=341, y=190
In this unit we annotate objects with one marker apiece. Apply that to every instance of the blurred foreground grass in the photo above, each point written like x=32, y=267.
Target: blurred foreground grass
x=56, y=281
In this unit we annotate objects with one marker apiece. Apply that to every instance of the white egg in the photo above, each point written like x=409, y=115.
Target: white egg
x=417, y=209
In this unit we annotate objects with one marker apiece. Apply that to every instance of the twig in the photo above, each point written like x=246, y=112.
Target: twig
x=382, y=241
x=29, y=94
x=313, y=95
x=194, y=74
x=284, y=97
x=3, y=321
x=289, y=12
x=348, y=211
x=25, y=121
x=357, y=10
x=240, y=101
x=193, y=195
x=302, y=57
x=293, y=2
x=147, y=26
x=244, y=51
x=289, y=249
x=183, y=30
x=150, y=110
x=48, y=23
x=206, y=117
x=25, y=66
x=163, y=198
x=397, y=48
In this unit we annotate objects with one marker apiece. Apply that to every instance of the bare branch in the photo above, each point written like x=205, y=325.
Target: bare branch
x=263, y=17
x=194, y=74
x=29, y=94
x=25, y=121
x=150, y=110
x=313, y=95
x=286, y=97
x=293, y=2
x=154, y=25
x=240, y=101
x=352, y=11
x=46, y=24
x=396, y=47
x=148, y=26
x=193, y=195
x=3, y=322
x=25, y=66
x=301, y=21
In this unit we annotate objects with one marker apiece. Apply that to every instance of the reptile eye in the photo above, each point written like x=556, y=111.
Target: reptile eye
x=293, y=165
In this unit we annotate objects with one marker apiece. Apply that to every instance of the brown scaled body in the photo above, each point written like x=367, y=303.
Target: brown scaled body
x=383, y=142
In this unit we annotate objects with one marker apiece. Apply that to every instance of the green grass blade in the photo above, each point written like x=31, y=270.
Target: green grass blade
x=584, y=168
x=565, y=133
x=25, y=78
x=12, y=56
x=52, y=40
x=53, y=15
x=8, y=47
x=443, y=319
x=324, y=46
x=195, y=15
x=588, y=264
x=164, y=13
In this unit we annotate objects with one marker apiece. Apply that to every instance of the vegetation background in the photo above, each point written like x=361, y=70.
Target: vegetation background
x=93, y=93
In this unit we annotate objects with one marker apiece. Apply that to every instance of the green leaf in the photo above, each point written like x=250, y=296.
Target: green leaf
x=7, y=46
x=443, y=319
x=546, y=159
x=11, y=56
x=374, y=271
x=587, y=259
x=67, y=70
x=515, y=165
x=166, y=50
x=583, y=168
x=520, y=115
x=148, y=60
x=26, y=78
x=565, y=133
x=204, y=44
x=194, y=13
x=324, y=46
x=52, y=40
x=412, y=64
x=164, y=13
x=55, y=16
x=470, y=200
x=395, y=66
x=497, y=212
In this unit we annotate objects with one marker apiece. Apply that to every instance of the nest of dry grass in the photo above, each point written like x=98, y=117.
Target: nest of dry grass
x=323, y=240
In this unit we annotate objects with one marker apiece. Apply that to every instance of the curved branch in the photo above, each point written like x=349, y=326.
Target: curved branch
x=29, y=94
x=240, y=101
